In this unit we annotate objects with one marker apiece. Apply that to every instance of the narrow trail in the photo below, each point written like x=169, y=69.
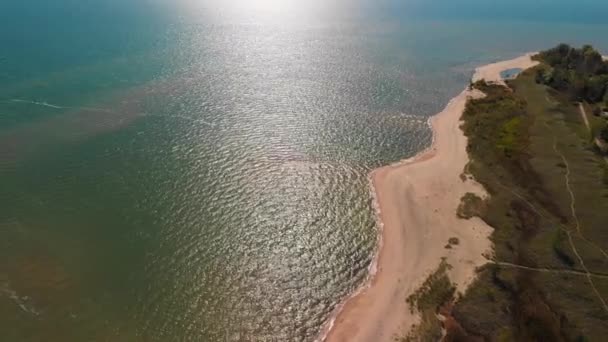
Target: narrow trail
x=578, y=228
x=564, y=228
x=547, y=217
x=568, y=187
x=584, y=116
x=549, y=270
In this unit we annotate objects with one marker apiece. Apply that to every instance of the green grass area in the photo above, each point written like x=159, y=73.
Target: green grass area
x=531, y=150
x=436, y=291
x=556, y=139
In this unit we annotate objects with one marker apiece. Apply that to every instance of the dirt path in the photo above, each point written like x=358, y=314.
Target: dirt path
x=584, y=116
x=547, y=217
x=550, y=270
x=578, y=228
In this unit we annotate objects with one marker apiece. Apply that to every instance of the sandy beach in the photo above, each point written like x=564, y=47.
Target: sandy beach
x=416, y=202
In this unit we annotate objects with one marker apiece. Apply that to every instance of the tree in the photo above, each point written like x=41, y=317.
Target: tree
x=595, y=88
x=578, y=88
x=540, y=76
x=592, y=62
x=604, y=133
x=581, y=73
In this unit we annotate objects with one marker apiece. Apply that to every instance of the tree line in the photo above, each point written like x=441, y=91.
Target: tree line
x=581, y=73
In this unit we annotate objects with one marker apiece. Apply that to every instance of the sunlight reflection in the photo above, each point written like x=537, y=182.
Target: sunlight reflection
x=297, y=8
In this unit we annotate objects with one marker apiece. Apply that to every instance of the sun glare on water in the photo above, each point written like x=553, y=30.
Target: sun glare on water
x=267, y=4
x=273, y=7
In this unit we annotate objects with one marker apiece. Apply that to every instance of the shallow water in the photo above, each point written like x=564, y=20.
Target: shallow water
x=198, y=170
x=510, y=73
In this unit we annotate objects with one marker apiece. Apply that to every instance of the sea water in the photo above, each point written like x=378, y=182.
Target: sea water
x=197, y=170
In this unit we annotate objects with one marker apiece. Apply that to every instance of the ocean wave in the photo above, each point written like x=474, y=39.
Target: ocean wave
x=97, y=109
x=20, y=301
x=55, y=106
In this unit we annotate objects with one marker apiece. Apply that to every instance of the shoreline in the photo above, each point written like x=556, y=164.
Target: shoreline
x=423, y=191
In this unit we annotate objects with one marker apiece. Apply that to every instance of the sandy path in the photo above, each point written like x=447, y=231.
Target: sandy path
x=416, y=201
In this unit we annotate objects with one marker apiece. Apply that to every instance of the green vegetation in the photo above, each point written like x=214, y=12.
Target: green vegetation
x=436, y=291
x=548, y=204
x=453, y=241
x=470, y=205
x=580, y=73
x=604, y=133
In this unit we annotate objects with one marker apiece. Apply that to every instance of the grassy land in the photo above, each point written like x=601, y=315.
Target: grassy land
x=435, y=292
x=549, y=206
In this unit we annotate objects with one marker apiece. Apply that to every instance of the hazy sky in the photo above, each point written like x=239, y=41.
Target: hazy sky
x=542, y=10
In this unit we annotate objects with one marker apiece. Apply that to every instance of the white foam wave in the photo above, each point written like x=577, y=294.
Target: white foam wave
x=44, y=104
x=55, y=106
x=20, y=301
x=371, y=270
x=96, y=109
x=373, y=267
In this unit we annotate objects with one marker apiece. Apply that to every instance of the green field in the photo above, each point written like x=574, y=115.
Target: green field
x=548, y=280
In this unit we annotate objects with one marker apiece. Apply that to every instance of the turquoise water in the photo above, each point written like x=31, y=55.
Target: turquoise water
x=197, y=170
x=510, y=73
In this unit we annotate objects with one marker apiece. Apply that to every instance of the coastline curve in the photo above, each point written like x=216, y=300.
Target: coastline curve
x=415, y=201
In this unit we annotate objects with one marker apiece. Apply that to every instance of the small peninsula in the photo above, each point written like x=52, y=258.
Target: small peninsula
x=496, y=232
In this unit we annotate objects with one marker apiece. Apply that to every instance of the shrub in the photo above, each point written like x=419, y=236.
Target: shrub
x=470, y=205
x=597, y=111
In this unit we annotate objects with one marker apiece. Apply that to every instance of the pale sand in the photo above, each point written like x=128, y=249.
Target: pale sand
x=416, y=201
